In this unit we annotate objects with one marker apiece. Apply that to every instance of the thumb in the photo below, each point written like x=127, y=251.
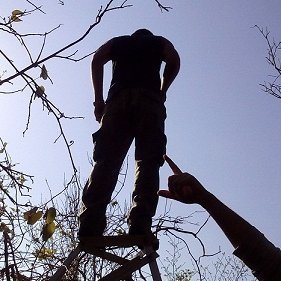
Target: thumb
x=166, y=194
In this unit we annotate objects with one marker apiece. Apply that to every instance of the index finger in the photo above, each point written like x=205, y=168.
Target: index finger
x=176, y=170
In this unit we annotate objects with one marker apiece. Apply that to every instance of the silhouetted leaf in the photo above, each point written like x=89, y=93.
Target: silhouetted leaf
x=44, y=72
x=40, y=91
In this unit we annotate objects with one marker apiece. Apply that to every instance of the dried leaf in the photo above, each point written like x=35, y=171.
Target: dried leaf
x=4, y=228
x=48, y=230
x=32, y=216
x=35, y=217
x=44, y=72
x=40, y=91
x=28, y=213
x=17, y=13
x=50, y=215
x=15, y=18
x=44, y=253
x=21, y=179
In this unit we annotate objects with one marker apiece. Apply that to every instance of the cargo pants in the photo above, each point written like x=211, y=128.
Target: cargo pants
x=131, y=114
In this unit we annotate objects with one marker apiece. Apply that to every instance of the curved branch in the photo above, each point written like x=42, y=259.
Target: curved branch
x=99, y=17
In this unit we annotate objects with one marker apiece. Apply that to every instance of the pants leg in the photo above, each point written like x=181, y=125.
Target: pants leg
x=150, y=141
x=144, y=196
x=112, y=143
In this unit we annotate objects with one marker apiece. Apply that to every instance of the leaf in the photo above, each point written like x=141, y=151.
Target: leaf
x=50, y=215
x=40, y=91
x=21, y=179
x=48, y=230
x=44, y=72
x=4, y=228
x=32, y=216
x=28, y=213
x=44, y=253
x=15, y=18
x=17, y=13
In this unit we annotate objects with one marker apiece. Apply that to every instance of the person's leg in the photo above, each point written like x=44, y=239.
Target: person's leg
x=144, y=197
x=97, y=195
x=112, y=143
x=150, y=141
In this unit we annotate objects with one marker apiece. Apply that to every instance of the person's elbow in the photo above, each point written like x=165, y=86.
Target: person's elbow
x=102, y=55
x=175, y=60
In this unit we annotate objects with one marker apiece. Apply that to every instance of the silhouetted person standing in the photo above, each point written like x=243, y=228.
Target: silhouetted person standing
x=134, y=110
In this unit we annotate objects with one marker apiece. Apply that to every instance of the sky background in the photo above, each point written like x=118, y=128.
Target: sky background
x=221, y=127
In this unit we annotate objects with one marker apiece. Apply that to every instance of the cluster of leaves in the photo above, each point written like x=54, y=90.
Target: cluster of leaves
x=184, y=275
x=24, y=233
x=33, y=215
x=30, y=242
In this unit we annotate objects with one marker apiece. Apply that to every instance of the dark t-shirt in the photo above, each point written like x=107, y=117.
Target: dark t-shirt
x=136, y=62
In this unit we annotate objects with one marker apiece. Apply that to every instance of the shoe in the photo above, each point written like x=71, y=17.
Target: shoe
x=90, y=225
x=139, y=227
x=87, y=233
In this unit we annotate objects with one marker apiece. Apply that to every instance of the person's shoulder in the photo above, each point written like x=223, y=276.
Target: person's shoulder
x=121, y=38
x=163, y=39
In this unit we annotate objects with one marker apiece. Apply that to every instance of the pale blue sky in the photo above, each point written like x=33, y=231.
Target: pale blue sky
x=221, y=126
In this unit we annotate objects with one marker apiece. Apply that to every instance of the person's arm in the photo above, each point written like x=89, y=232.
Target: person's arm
x=251, y=246
x=172, y=66
x=186, y=188
x=100, y=58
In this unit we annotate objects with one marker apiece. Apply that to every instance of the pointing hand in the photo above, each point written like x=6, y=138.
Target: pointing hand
x=182, y=187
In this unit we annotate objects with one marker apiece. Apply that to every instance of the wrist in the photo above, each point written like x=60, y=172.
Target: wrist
x=206, y=199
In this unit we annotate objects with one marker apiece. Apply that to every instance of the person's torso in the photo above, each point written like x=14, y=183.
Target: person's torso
x=136, y=62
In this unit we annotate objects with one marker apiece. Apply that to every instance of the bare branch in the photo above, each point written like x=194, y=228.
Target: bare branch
x=162, y=7
x=273, y=52
x=99, y=17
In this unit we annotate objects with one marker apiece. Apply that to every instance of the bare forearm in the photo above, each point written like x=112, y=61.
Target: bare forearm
x=100, y=58
x=234, y=226
x=97, y=79
x=172, y=67
x=185, y=188
x=169, y=75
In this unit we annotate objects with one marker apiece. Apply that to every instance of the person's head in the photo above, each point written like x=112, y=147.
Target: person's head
x=142, y=32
